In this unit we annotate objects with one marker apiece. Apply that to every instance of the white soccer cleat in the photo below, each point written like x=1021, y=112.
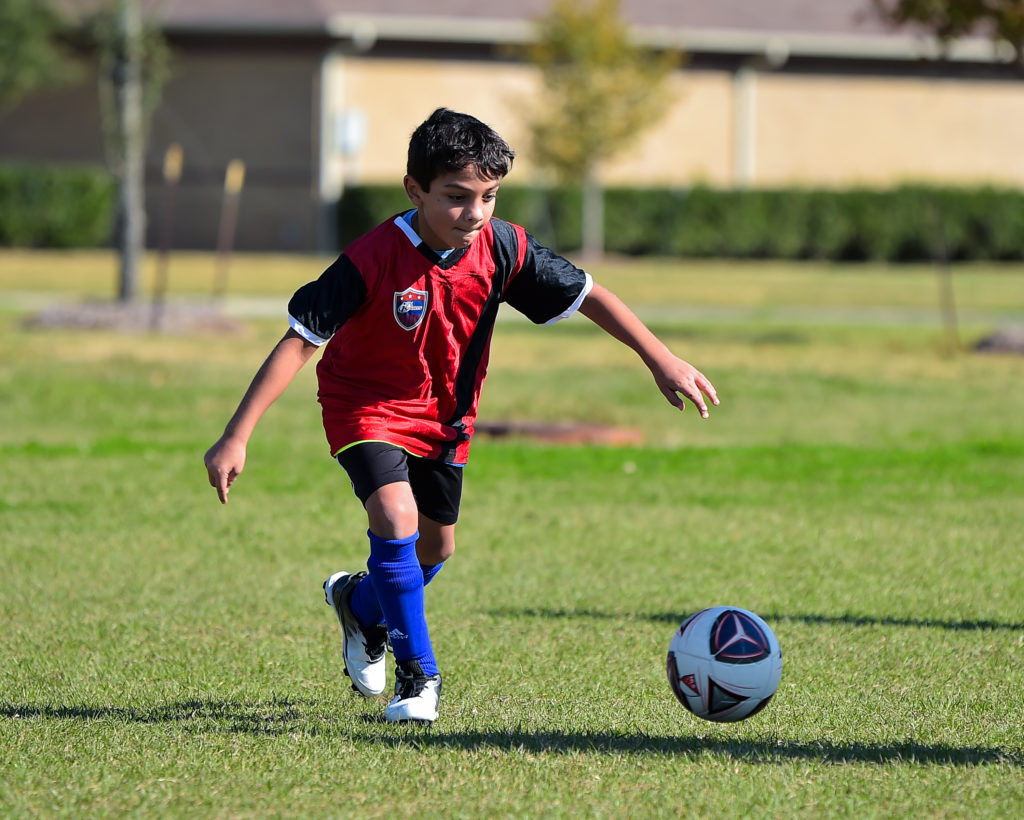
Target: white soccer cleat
x=416, y=695
x=363, y=649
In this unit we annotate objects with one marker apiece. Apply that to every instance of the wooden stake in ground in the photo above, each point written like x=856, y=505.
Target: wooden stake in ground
x=173, y=162
x=234, y=179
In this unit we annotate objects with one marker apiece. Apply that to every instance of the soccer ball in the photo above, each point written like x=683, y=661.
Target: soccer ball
x=724, y=664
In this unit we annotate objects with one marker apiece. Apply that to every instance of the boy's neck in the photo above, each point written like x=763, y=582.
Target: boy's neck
x=415, y=223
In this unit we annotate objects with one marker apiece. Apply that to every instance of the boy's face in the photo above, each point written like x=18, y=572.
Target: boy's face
x=455, y=209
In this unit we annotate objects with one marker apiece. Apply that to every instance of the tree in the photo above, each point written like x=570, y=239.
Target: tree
x=123, y=59
x=948, y=20
x=32, y=52
x=39, y=47
x=601, y=92
x=133, y=66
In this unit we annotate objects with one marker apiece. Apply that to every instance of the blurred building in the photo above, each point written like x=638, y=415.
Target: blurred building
x=314, y=95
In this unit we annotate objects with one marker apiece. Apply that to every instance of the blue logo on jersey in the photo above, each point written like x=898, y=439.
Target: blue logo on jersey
x=410, y=307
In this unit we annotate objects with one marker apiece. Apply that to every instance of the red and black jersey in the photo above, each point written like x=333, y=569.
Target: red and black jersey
x=408, y=332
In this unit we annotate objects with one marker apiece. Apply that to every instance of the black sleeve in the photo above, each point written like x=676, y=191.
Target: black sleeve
x=322, y=306
x=547, y=285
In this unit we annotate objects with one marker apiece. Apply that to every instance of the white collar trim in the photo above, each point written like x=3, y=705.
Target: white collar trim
x=406, y=228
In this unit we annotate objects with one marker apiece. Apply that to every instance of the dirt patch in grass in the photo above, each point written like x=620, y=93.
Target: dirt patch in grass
x=562, y=433
x=175, y=318
x=1009, y=339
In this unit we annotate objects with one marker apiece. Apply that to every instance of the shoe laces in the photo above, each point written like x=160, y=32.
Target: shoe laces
x=409, y=680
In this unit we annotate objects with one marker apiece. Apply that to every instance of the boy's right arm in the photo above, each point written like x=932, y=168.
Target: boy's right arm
x=225, y=460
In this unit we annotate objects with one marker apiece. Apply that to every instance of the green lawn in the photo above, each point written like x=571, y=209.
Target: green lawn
x=860, y=488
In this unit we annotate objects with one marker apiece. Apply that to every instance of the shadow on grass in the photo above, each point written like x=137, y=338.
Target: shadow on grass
x=271, y=717
x=284, y=717
x=756, y=751
x=771, y=617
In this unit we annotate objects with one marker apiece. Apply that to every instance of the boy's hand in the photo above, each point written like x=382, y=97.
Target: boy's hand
x=225, y=460
x=674, y=376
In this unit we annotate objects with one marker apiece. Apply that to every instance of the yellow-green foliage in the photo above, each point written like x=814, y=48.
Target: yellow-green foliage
x=601, y=90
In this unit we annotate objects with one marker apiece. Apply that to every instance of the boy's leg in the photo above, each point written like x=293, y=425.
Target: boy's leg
x=398, y=581
x=370, y=465
x=402, y=495
x=437, y=490
x=435, y=545
x=396, y=574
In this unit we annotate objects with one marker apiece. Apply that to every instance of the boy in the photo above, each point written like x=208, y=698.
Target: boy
x=405, y=316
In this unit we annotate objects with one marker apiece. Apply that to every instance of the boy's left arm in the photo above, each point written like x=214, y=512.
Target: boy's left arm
x=672, y=375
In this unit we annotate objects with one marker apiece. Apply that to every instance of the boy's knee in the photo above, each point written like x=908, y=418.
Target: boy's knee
x=392, y=511
x=438, y=553
x=435, y=545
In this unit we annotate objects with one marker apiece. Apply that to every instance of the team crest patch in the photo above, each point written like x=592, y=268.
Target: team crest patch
x=410, y=307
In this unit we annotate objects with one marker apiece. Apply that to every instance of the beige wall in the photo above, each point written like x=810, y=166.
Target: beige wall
x=397, y=95
x=805, y=129
x=692, y=143
x=262, y=103
x=841, y=130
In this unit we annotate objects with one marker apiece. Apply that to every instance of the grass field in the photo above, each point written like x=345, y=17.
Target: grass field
x=860, y=487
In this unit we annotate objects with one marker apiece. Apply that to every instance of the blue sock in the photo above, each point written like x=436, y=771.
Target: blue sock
x=364, y=601
x=430, y=572
x=398, y=582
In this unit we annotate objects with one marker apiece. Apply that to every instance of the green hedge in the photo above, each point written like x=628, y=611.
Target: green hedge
x=55, y=206
x=909, y=223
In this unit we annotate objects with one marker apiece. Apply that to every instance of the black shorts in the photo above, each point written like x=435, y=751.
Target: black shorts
x=436, y=486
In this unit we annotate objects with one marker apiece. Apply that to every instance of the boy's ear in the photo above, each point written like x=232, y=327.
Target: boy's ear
x=413, y=190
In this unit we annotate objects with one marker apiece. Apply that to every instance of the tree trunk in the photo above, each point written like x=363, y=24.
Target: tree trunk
x=131, y=218
x=593, y=215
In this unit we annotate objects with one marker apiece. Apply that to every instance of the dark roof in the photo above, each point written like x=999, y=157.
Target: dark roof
x=840, y=28
x=817, y=16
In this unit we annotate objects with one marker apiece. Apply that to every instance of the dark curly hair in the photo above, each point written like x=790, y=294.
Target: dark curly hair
x=448, y=141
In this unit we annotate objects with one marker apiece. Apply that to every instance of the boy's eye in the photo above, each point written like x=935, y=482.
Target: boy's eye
x=464, y=197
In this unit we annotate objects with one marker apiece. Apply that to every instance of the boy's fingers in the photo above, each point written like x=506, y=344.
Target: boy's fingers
x=691, y=393
x=694, y=386
x=697, y=389
x=220, y=481
x=708, y=388
x=673, y=397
